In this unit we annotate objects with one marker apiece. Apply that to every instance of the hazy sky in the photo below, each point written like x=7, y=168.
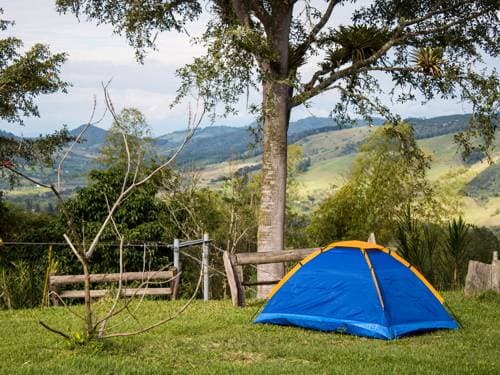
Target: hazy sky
x=96, y=55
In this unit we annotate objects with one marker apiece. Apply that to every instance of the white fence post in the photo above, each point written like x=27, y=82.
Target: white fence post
x=204, y=261
x=177, y=262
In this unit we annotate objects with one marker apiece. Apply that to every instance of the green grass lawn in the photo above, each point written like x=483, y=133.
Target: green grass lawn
x=214, y=338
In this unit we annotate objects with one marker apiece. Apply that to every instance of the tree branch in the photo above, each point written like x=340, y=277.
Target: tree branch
x=73, y=249
x=193, y=124
x=260, y=13
x=242, y=12
x=53, y=330
x=323, y=85
x=143, y=284
x=25, y=176
x=322, y=22
x=161, y=322
x=89, y=123
x=397, y=38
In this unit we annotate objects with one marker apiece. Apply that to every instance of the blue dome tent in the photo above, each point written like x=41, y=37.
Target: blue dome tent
x=359, y=288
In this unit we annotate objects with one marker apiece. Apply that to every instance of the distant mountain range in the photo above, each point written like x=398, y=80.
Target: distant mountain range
x=5, y=134
x=214, y=144
x=94, y=136
x=211, y=144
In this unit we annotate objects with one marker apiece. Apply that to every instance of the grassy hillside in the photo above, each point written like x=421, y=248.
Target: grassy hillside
x=485, y=184
x=215, y=338
x=332, y=154
x=329, y=161
x=216, y=144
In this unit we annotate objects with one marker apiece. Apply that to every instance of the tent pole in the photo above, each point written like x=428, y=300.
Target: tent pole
x=369, y=263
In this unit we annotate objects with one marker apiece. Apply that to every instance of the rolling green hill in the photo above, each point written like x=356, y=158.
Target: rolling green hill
x=332, y=154
x=485, y=183
x=216, y=144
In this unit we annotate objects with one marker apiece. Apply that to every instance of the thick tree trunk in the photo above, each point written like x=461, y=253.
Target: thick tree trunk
x=276, y=113
x=273, y=191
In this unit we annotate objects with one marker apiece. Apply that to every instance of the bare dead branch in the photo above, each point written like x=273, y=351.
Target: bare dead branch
x=25, y=176
x=161, y=322
x=140, y=287
x=192, y=126
x=53, y=189
x=77, y=139
x=119, y=291
x=110, y=106
x=53, y=293
x=73, y=249
x=53, y=330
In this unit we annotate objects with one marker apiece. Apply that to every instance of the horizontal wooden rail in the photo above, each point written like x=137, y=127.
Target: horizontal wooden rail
x=256, y=283
x=234, y=271
x=266, y=257
x=55, y=281
x=111, y=277
x=129, y=292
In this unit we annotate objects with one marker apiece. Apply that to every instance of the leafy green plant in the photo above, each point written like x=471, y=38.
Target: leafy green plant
x=419, y=243
x=389, y=177
x=20, y=286
x=456, y=244
x=77, y=338
x=355, y=43
x=429, y=60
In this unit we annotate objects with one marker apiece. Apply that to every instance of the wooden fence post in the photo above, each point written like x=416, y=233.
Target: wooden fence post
x=204, y=261
x=53, y=291
x=46, y=280
x=177, y=263
x=233, y=279
x=173, y=284
x=495, y=273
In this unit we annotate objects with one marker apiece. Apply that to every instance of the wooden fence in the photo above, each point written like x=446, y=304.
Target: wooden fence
x=233, y=264
x=144, y=279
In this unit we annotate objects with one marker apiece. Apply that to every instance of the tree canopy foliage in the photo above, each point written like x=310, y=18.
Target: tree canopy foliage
x=292, y=52
x=23, y=77
x=139, y=142
x=432, y=47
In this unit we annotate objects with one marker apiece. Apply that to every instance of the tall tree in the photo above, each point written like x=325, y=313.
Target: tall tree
x=428, y=46
x=23, y=77
x=387, y=190
x=135, y=126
